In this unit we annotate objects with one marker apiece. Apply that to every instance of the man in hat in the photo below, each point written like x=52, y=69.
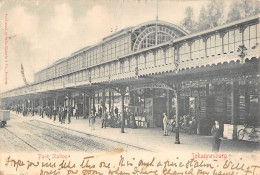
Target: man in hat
x=165, y=121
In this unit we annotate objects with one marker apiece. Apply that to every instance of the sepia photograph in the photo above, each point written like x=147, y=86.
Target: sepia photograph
x=118, y=87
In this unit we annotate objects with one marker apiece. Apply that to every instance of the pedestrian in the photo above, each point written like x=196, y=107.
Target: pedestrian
x=50, y=111
x=100, y=111
x=132, y=121
x=104, y=120
x=193, y=126
x=165, y=121
x=76, y=112
x=216, y=133
x=33, y=111
x=54, y=113
x=94, y=110
x=65, y=111
x=60, y=113
x=42, y=112
x=70, y=111
x=116, y=111
x=92, y=121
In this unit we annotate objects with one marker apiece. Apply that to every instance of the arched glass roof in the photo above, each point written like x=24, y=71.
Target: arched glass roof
x=154, y=32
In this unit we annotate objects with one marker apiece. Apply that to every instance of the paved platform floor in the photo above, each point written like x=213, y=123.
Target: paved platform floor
x=152, y=138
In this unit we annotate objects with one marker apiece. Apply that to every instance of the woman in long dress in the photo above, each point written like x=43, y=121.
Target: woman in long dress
x=216, y=133
x=92, y=121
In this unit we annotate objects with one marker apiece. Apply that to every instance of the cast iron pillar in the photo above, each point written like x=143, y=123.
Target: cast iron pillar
x=93, y=104
x=84, y=105
x=247, y=101
x=122, y=92
x=89, y=105
x=168, y=103
x=235, y=107
x=103, y=102
x=177, y=134
x=109, y=102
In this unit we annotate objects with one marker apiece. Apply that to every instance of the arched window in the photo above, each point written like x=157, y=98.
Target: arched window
x=106, y=70
x=184, y=52
x=99, y=55
x=117, y=67
x=126, y=45
x=232, y=40
x=118, y=48
x=160, y=59
x=195, y=49
x=153, y=35
x=170, y=52
x=141, y=62
x=105, y=52
x=109, y=52
x=102, y=71
x=250, y=36
x=132, y=64
x=126, y=66
x=218, y=44
x=112, y=68
x=211, y=43
x=150, y=59
x=113, y=50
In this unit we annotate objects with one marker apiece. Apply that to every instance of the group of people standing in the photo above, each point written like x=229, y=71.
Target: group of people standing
x=63, y=112
x=187, y=124
x=192, y=125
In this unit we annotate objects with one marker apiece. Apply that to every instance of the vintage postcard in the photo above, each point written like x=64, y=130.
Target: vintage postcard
x=118, y=87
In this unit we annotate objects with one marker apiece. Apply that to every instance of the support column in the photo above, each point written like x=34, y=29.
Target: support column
x=89, y=105
x=109, y=102
x=225, y=102
x=122, y=92
x=55, y=102
x=84, y=106
x=168, y=103
x=177, y=95
x=247, y=101
x=33, y=106
x=122, y=115
x=113, y=100
x=93, y=103
x=198, y=111
x=46, y=101
x=103, y=102
x=41, y=109
x=235, y=103
x=258, y=100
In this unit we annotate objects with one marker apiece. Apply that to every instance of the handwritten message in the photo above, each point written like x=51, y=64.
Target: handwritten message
x=65, y=164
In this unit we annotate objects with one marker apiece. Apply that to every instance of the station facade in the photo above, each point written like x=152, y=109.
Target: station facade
x=157, y=67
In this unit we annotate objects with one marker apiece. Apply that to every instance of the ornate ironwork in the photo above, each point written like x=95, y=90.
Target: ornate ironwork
x=149, y=86
x=241, y=49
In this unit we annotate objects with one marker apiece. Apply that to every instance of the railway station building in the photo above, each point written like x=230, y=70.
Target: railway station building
x=158, y=67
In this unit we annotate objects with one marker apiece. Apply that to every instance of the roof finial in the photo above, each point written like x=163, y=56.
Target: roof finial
x=156, y=40
x=156, y=10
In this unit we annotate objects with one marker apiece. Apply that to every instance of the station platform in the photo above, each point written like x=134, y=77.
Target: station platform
x=151, y=139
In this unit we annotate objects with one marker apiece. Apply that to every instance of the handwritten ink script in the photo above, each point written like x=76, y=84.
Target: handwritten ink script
x=63, y=164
